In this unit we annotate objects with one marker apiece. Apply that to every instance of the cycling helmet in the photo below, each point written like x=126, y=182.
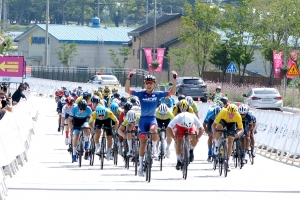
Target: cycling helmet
x=100, y=110
x=181, y=97
x=106, y=87
x=224, y=100
x=123, y=100
x=127, y=106
x=150, y=78
x=114, y=90
x=82, y=104
x=117, y=95
x=133, y=100
x=183, y=105
x=188, y=120
x=100, y=89
x=63, y=100
x=243, y=109
x=131, y=116
x=73, y=94
x=162, y=109
x=219, y=103
x=189, y=100
x=114, y=107
x=218, y=87
x=67, y=93
x=95, y=92
x=85, y=125
x=85, y=95
x=217, y=110
x=63, y=88
x=117, y=101
x=232, y=108
x=95, y=99
x=70, y=101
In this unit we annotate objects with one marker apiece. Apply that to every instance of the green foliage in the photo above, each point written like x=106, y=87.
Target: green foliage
x=8, y=47
x=181, y=56
x=66, y=52
x=115, y=56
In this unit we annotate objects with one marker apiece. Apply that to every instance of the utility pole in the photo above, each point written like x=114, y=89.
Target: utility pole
x=46, y=39
x=147, y=10
x=154, y=30
x=98, y=9
x=0, y=10
x=63, y=12
x=4, y=14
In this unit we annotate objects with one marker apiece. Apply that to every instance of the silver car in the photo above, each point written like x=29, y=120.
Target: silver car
x=105, y=80
x=266, y=98
x=192, y=86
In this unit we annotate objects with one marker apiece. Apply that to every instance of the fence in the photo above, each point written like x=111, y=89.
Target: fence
x=84, y=75
x=15, y=137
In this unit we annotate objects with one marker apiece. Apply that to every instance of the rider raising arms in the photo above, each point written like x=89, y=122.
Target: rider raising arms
x=148, y=99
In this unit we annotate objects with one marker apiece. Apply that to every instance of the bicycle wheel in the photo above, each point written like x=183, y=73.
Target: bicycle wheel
x=136, y=157
x=215, y=161
x=92, y=152
x=220, y=165
x=161, y=156
x=240, y=155
x=70, y=150
x=115, y=151
x=225, y=161
x=149, y=163
x=185, y=160
x=102, y=152
x=251, y=158
x=80, y=152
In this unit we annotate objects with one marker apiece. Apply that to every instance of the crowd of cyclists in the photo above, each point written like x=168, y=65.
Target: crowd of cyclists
x=146, y=112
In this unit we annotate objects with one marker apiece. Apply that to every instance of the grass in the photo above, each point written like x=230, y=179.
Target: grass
x=238, y=91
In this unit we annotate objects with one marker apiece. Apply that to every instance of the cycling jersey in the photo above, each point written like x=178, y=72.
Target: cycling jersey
x=118, y=113
x=195, y=107
x=106, y=92
x=138, y=116
x=79, y=92
x=223, y=115
x=210, y=117
x=169, y=102
x=59, y=93
x=108, y=115
x=79, y=118
x=169, y=115
x=247, y=120
x=66, y=111
x=176, y=110
x=253, y=119
x=80, y=98
x=59, y=107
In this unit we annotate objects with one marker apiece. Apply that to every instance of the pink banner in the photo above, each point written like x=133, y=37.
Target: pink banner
x=148, y=54
x=11, y=69
x=160, y=58
x=277, y=62
x=293, y=57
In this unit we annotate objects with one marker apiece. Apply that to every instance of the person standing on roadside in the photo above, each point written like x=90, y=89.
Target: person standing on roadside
x=16, y=97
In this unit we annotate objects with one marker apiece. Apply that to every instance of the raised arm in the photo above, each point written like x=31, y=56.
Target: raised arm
x=173, y=89
x=127, y=84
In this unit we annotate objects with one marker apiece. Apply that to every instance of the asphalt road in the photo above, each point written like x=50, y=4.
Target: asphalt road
x=49, y=174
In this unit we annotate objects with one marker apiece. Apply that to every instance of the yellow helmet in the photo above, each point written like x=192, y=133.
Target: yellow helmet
x=106, y=86
x=114, y=90
x=95, y=92
x=183, y=105
x=232, y=108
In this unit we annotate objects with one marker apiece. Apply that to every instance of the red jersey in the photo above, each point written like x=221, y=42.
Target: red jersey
x=90, y=105
x=59, y=93
x=121, y=117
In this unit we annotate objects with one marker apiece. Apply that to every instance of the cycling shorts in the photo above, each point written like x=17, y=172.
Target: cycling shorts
x=77, y=123
x=229, y=126
x=106, y=123
x=179, y=131
x=161, y=121
x=209, y=123
x=67, y=116
x=145, y=123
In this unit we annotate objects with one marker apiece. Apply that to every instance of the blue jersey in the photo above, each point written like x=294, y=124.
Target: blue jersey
x=148, y=101
x=210, y=116
x=75, y=113
x=59, y=106
x=253, y=119
x=169, y=102
x=247, y=120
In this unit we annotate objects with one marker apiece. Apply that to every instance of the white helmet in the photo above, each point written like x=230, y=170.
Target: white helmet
x=243, y=109
x=162, y=109
x=190, y=100
x=187, y=120
x=131, y=116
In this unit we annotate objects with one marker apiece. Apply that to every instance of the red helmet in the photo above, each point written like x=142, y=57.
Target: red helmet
x=70, y=101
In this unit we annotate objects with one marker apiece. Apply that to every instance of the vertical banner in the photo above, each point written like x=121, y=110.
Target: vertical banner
x=160, y=58
x=148, y=54
x=293, y=57
x=277, y=62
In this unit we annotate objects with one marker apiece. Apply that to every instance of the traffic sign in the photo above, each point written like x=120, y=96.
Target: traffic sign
x=293, y=71
x=231, y=68
x=11, y=69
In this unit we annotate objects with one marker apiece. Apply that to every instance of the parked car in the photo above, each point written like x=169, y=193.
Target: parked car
x=105, y=80
x=266, y=98
x=192, y=86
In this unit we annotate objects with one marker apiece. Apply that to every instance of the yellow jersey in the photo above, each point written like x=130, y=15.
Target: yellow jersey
x=108, y=115
x=223, y=115
x=169, y=115
x=80, y=98
x=176, y=110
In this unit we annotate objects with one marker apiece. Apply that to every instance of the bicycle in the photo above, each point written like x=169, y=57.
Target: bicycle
x=135, y=150
x=237, y=153
x=148, y=160
x=162, y=136
x=79, y=149
x=115, y=149
x=103, y=146
x=126, y=150
x=251, y=152
x=185, y=154
x=92, y=149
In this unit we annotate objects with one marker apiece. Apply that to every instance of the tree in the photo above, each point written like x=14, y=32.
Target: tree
x=66, y=52
x=115, y=56
x=198, y=26
x=9, y=46
x=181, y=56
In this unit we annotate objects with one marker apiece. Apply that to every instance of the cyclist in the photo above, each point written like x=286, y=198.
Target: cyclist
x=247, y=120
x=225, y=101
x=227, y=118
x=127, y=107
x=148, y=100
x=96, y=92
x=79, y=115
x=95, y=101
x=74, y=96
x=181, y=106
x=123, y=102
x=218, y=94
x=106, y=92
x=103, y=116
x=184, y=122
x=164, y=115
x=208, y=121
x=115, y=109
x=252, y=132
x=65, y=115
x=59, y=107
x=86, y=96
x=116, y=95
x=191, y=103
x=169, y=101
x=79, y=91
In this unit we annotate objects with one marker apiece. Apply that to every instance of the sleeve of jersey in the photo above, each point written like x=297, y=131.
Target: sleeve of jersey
x=112, y=116
x=170, y=115
x=219, y=117
x=250, y=119
x=72, y=112
x=207, y=117
x=163, y=94
x=93, y=117
x=195, y=107
x=125, y=122
x=173, y=123
x=156, y=113
x=197, y=122
x=77, y=100
x=175, y=110
x=190, y=110
x=239, y=122
x=134, y=92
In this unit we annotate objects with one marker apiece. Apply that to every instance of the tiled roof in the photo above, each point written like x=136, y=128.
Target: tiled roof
x=85, y=34
x=170, y=43
x=160, y=21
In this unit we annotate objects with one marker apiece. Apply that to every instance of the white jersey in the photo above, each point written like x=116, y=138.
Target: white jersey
x=179, y=119
x=136, y=109
x=65, y=111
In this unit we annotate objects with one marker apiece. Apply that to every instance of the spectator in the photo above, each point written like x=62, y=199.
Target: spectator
x=16, y=97
x=5, y=104
x=26, y=86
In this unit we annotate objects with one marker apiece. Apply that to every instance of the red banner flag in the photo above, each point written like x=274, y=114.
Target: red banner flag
x=148, y=54
x=277, y=62
x=160, y=58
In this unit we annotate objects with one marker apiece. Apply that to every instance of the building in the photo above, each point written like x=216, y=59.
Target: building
x=93, y=44
x=167, y=32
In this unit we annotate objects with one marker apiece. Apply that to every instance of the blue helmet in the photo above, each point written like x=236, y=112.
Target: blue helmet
x=217, y=110
x=114, y=107
x=100, y=110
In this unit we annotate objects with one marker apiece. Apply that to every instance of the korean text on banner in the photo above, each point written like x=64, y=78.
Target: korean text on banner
x=277, y=60
x=293, y=57
x=11, y=69
x=148, y=55
x=160, y=58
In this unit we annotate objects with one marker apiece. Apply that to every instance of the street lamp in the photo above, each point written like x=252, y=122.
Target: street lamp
x=171, y=8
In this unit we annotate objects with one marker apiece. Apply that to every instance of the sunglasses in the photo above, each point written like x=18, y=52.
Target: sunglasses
x=149, y=83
